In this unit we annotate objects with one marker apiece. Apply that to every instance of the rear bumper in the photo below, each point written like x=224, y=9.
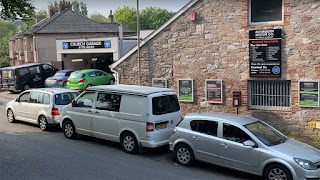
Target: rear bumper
x=54, y=120
x=153, y=144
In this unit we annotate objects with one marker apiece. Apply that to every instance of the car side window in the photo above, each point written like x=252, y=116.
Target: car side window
x=85, y=101
x=92, y=74
x=98, y=73
x=204, y=126
x=40, y=98
x=25, y=97
x=109, y=102
x=68, y=73
x=34, y=97
x=46, y=98
x=233, y=133
x=47, y=68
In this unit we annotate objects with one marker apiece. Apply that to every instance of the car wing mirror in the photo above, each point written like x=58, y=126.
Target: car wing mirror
x=249, y=143
x=17, y=100
x=73, y=103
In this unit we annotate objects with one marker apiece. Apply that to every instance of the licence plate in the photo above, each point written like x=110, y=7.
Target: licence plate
x=5, y=86
x=162, y=125
x=73, y=87
x=49, y=81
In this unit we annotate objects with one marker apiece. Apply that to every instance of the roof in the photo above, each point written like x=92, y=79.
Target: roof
x=86, y=70
x=23, y=65
x=155, y=32
x=53, y=90
x=65, y=70
x=69, y=21
x=131, y=89
x=226, y=117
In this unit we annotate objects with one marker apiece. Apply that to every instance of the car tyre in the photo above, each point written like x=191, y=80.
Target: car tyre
x=10, y=116
x=184, y=155
x=129, y=143
x=69, y=130
x=43, y=123
x=277, y=171
x=111, y=82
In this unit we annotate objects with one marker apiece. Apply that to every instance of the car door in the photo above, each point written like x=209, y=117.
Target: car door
x=19, y=108
x=105, y=116
x=232, y=151
x=204, y=139
x=81, y=113
x=100, y=77
x=34, y=106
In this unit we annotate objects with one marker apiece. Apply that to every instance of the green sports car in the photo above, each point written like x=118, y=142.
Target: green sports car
x=80, y=80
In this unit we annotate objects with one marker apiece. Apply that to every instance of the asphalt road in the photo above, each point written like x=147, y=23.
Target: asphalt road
x=26, y=152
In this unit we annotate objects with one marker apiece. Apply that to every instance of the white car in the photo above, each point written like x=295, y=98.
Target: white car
x=40, y=106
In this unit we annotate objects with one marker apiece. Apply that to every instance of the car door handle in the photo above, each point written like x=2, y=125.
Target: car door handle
x=195, y=138
x=89, y=111
x=96, y=112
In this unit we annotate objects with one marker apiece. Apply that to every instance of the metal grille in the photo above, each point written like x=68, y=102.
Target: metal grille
x=269, y=95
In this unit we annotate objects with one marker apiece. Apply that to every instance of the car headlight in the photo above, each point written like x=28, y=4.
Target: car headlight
x=305, y=164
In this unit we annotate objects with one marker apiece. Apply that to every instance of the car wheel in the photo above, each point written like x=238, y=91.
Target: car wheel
x=69, y=130
x=276, y=171
x=10, y=116
x=26, y=87
x=129, y=143
x=43, y=123
x=111, y=82
x=184, y=155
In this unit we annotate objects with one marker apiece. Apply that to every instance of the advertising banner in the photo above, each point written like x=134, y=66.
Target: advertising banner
x=214, y=91
x=162, y=83
x=308, y=93
x=185, y=90
x=86, y=45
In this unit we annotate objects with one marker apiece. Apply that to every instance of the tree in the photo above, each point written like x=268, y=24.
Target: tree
x=98, y=17
x=153, y=18
x=127, y=17
x=80, y=8
x=16, y=9
x=84, y=10
x=7, y=30
x=76, y=6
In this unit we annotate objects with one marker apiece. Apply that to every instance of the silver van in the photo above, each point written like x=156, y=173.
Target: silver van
x=135, y=116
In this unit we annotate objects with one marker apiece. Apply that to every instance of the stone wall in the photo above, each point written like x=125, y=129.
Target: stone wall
x=215, y=46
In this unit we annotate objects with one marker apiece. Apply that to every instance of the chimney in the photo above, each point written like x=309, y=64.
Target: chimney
x=64, y=5
x=52, y=10
x=110, y=17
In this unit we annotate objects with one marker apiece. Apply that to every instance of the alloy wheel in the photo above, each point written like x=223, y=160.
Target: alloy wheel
x=277, y=174
x=43, y=124
x=68, y=130
x=10, y=116
x=183, y=155
x=128, y=143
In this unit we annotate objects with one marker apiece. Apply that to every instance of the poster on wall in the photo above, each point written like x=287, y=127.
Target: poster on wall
x=214, y=91
x=156, y=82
x=265, y=53
x=185, y=90
x=308, y=93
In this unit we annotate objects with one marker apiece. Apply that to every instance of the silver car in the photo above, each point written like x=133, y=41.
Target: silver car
x=243, y=143
x=40, y=106
x=59, y=79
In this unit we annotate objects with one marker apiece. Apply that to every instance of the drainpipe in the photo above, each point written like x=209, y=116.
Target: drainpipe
x=115, y=72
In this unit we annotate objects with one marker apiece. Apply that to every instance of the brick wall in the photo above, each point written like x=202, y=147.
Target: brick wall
x=215, y=46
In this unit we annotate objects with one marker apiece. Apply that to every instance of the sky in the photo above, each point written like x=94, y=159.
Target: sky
x=104, y=6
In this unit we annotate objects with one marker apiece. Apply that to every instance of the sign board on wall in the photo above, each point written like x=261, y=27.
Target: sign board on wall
x=214, y=91
x=86, y=44
x=162, y=83
x=308, y=93
x=265, y=53
x=185, y=90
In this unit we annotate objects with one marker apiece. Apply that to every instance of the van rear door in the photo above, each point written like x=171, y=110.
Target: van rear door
x=166, y=114
x=8, y=78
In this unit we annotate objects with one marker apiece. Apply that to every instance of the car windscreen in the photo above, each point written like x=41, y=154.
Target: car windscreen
x=65, y=98
x=76, y=75
x=165, y=104
x=60, y=74
x=266, y=134
x=8, y=74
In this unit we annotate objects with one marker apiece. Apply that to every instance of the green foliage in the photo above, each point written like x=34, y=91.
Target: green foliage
x=4, y=62
x=7, y=30
x=76, y=6
x=84, y=10
x=80, y=8
x=16, y=9
x=153, y=18
x=98, y=17
x=127, y=17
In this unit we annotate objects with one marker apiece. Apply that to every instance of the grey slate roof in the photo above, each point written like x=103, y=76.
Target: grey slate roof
x=115, y=27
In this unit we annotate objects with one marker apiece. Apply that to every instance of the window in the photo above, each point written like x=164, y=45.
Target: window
x=92, y=74
x=34, y=97
x=23, y=71
x=25, y=97
x=46, y=98
x=64, y=98
x=7, y=74
x=34, y=70
x=40, y=98
x=262, y=11
x=269, y=95
x=86, y=100
x=110, y=102
x=47, y=67
x=98, y=73
x=76, y=75
x=233, y=133
x=206, y=127
x=165, y=104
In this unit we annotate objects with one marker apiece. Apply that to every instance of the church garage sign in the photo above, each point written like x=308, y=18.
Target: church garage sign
x=265, y=53
x=86, y=45
x=308, y=93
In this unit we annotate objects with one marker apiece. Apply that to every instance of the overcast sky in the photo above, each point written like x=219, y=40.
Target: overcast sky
x=104, y=6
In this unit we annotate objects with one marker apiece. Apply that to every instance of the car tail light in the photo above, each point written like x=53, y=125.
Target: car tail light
x=58, y=80
x=55, y=112
x=68, y=80
x=81, y=80
x=150, y=127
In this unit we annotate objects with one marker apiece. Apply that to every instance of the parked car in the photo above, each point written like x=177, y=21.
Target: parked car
x=40, y=106
x=24, y=77
x=59, y=79
x=243, y=143
x=82, y=79
x=135, y=116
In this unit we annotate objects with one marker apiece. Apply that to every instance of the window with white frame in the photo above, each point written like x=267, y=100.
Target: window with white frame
x=269, y=95
x=264, y=11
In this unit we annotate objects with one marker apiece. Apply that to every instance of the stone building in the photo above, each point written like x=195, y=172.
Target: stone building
x=209, y=39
